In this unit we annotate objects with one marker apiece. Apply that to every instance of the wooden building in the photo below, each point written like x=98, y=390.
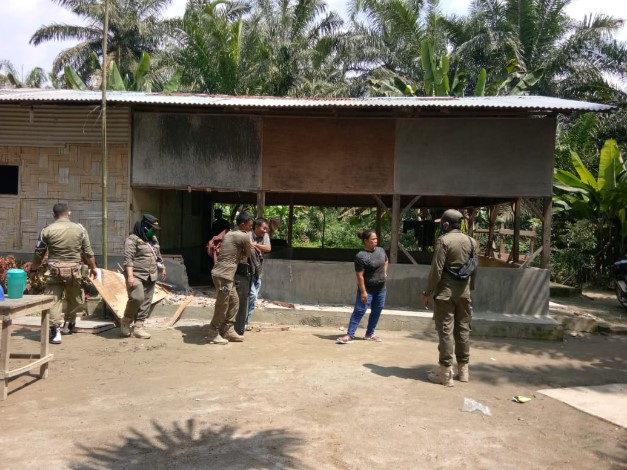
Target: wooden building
x=173, y=155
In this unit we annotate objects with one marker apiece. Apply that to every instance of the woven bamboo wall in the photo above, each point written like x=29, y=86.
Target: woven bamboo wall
x=72, y=174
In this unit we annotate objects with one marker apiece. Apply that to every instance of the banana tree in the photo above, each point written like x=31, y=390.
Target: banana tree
x=137, y=82
x=600, y=200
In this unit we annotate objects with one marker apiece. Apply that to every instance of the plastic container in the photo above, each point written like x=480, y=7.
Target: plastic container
x=1, y=293
x=16, y=283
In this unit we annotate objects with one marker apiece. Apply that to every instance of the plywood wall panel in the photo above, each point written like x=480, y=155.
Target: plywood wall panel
x=201, y=151
x=475, y=157
x=337, y=156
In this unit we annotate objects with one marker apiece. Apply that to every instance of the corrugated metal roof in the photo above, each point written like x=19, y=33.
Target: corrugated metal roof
x=532, y=103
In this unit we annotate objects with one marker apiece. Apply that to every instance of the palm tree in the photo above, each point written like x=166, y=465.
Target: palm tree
x=214, y=49
x=9, y=77
x=575, y=57
x=274, y=47
x=135, y=26
x=302, y=48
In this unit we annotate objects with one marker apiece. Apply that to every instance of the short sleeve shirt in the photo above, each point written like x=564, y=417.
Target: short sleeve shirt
x=235, y=247
x=372, y=263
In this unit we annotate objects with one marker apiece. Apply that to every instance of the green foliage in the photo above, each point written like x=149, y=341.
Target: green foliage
x=138, y=81
x=574, y=253
x=598, y=200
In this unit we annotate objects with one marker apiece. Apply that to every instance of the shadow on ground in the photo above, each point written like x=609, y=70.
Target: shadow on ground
x=194, y=334
x=184, y=445
x=615, y=462
x=418, y=373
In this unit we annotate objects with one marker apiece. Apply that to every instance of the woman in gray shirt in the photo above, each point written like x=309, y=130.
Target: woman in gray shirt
x=371, y=268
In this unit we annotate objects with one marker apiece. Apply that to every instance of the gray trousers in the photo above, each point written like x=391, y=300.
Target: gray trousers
x=138, y=305
x=452, y=322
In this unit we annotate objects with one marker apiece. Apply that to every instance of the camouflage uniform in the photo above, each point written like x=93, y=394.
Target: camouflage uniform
x=452, y=312
x=65, y=242
x=143, y=257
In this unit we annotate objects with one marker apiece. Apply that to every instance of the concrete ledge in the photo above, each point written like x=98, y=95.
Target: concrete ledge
x=487, y=324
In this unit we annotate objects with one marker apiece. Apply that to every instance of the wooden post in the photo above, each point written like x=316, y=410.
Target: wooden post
x=105, y=171
x=546, y=232
x=394, y=238
x=261, y=203
x=516, y=240
x=290, y=224
x=382, y=207
x=377, y=223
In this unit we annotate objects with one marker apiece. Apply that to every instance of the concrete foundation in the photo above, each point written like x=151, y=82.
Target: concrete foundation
x=499, y=291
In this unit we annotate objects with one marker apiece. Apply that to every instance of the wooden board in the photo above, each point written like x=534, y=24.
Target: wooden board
x=334, y=156
x=112, y=288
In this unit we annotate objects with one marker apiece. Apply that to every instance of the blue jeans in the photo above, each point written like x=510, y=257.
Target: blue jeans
x=255, y=285
x=375, y=301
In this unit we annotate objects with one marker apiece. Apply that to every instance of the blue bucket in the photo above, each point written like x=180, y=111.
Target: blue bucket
x=16, y=283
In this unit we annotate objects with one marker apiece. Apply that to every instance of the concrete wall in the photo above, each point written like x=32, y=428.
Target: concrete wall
x=498, y=290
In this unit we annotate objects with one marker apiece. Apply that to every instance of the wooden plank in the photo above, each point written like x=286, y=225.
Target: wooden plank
x=179, y=311
x=318, y=155
x=112, y=288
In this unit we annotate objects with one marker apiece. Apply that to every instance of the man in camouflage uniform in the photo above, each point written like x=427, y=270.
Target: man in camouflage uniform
x=236, y=247
x=452, y=312
x=65, y=242
x=142, y=260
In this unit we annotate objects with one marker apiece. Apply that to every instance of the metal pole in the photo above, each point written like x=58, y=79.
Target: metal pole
x=105, y=193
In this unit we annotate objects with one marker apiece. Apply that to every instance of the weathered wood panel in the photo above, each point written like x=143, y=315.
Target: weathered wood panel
x=475, y=157
x=339, y=156
x=201, y=151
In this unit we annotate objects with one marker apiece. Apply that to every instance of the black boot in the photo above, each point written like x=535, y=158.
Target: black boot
x=55, y=335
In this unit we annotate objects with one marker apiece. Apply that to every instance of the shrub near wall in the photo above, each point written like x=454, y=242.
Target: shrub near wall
x=36, y=281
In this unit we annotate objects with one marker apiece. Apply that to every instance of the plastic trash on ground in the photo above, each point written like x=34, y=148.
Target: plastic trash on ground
x=521, y=399
x=471, y=405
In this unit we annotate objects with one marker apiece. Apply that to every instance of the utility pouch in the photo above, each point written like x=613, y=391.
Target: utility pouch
x=65, y=271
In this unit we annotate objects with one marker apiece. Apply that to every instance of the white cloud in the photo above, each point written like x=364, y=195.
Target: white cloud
x=19, y=19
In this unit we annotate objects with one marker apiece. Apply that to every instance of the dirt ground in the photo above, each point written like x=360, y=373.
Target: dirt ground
x=296, y=400
x=599, y=304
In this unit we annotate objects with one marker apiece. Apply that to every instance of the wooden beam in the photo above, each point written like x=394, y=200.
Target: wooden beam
x=546, y=232
x=531, y=258
x=516, y=241
x=409, y=206
x=261, y=203
x=381, y=207
x=377, y=223
x=290, y=224
x=179, y=311
x=396, y=222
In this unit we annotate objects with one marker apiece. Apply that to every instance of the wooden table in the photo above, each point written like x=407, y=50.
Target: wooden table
x=15, y=308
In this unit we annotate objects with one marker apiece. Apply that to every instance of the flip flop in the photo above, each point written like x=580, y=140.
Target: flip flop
x=374, y=338
x=344, y=340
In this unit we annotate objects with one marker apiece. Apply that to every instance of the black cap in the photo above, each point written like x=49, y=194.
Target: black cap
x=152, y=221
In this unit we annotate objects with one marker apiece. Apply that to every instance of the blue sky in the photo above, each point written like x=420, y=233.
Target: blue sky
x=21, y=18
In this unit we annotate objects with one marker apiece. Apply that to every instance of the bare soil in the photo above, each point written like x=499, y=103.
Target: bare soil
x=295, y=399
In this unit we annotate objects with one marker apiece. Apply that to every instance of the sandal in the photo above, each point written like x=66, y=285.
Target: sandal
x=374, y=338
x=344, y=340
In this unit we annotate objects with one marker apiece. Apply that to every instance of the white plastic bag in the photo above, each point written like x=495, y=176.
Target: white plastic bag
x=471, y=405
